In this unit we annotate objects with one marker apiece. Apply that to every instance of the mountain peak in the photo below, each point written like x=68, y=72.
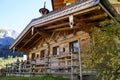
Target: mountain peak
x=7, y=36
x=6, y=32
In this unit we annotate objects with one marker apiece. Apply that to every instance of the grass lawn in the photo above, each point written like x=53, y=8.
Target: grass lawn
x=34, y=78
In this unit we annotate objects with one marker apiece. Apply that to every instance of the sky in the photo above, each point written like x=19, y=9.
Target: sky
x=16, y=14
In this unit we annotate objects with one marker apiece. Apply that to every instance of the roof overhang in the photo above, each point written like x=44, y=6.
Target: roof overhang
x=86, y=13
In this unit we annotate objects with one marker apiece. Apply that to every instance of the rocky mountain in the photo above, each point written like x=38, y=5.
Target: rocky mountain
x=7, y=37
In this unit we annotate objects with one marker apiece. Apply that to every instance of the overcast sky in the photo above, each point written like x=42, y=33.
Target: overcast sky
x=16, y=14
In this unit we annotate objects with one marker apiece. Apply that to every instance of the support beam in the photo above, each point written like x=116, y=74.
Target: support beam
x=29, y=40
x=51, y=36
x=92, y=17
x=66, y=28
x=23, y=50
x=95, y=17
x=79, y=22
x=57, y=26
x=18, y=40
x=32, y=32
x=87, y=10
x=43, y=33
x=50, y=22
x=34, y=42
x=82, y=22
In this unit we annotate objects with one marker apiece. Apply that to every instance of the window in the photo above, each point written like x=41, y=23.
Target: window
x=63, y=49
x=37, y=56
x=56, y=50
x=33, y=55
x=42, y=53
x=74, y=46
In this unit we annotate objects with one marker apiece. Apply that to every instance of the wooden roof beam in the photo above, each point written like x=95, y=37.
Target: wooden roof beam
x=29, y=40
x=50, y=22
x=20, y=39
x=34, y=42
x=94, y=17
x=66, y=28
x=57, y=26
x=43, y=33
x=91, y=18
x=79, y=22
x=22, y=50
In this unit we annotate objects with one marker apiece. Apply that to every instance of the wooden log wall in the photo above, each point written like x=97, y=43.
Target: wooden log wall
x=63, y=40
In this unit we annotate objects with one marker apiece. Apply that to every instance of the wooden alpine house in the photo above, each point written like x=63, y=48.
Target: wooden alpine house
x=57, y=42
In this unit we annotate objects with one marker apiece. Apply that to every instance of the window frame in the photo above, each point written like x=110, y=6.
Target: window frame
x=56, y=51
x=42, y=53
x=33, y=56
x=74, y=46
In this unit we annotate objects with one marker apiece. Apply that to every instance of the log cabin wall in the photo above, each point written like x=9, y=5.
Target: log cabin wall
x=61, y=40
x=63, y=43
x=38, y=52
